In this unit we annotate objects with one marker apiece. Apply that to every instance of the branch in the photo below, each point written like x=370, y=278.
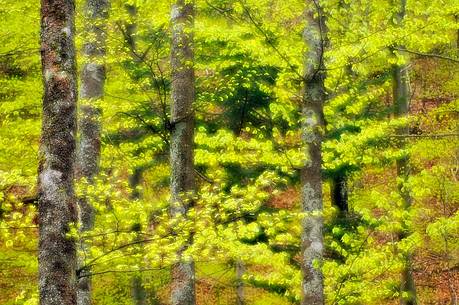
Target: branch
x=429, y=55
x=19, y=228
x=260, y=29
x=203, y=176
x=119, y=271
x=435, y=136
x=92, y=262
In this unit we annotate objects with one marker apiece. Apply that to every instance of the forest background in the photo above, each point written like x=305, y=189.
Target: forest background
x=390, y=175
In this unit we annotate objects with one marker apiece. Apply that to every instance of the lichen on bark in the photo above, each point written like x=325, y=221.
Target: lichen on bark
x=311, y=174
x=182, y=141
x=56, y=199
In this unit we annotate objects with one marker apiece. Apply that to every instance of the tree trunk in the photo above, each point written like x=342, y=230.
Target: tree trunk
x=339, y=192
x=56, y=199
x=457, y=33
x=134, y=181
x=131, y=26
x=182, y=122
x=401, y=97
x=139, y=295
x=91, y=93
x=240, y=270
x=311, y=174
x=138, y=291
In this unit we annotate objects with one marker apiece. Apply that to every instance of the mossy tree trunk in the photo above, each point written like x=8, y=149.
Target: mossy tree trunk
x=311, y=174
x=56, y=199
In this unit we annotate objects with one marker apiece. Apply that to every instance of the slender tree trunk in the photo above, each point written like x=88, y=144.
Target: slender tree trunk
x=134, y=181
x=131, y=26
x=182, y=139
x=457, y=33
x=339, y=193
x=91, y=93
x=139, y=293
x=313, y=102
x=56, y=199
x=401, y=97
x=240, y=270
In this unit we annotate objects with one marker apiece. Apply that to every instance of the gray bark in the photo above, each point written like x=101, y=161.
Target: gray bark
x=240, y=270
x=182, y=122
x=311, y=176
x=56, y=199
x=91, y=93
x=401, y=97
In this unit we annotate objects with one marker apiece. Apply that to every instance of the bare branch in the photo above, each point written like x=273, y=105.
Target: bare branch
x=439, y=56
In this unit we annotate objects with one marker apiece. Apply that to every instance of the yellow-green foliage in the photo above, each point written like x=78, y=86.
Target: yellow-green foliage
x=248, y=150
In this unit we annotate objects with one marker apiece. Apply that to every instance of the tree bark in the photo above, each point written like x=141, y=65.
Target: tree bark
x=182, y=123
x=240, y=270
x=56, y=199
x=311, y=174
x=91, y=93
x=401, y=97
x=457, y=33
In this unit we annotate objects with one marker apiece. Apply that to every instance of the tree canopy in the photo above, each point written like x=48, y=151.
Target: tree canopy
x=388, y=176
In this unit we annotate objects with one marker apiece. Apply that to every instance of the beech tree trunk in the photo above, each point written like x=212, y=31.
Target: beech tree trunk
x=401, y=97
x=56, y=199
x=311, y=174
x=240, y=270
x=91, y=93
x=182, y=139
